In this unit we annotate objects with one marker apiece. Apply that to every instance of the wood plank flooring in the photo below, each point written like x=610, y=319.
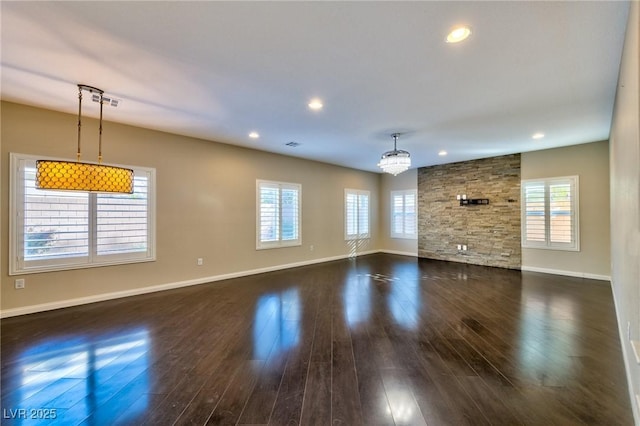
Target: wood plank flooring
x=377, y=340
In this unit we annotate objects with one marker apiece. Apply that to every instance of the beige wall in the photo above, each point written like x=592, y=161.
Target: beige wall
x=625, y=200
x=404, y=181
x=591, y=163
x=205, y=206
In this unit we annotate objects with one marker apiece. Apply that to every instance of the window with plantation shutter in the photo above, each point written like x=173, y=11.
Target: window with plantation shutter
x=550, y=213
x=404, y=214
x=57, y=230
x=356, y=214
x=278, y=214
x=121, y=220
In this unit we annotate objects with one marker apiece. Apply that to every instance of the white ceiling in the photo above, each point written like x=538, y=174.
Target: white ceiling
x=218, y=70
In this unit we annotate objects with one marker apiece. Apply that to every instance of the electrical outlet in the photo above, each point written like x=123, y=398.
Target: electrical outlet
x=200, y=261
x=464, y=247
x=459, y=246
x=19, y=283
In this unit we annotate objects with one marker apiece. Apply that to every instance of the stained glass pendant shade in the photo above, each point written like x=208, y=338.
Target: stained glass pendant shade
x=79, y=176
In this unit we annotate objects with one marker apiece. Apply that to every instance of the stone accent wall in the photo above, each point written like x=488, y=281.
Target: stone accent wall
x=491, y=232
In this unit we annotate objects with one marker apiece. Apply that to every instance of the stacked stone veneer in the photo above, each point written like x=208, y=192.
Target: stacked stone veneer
x=491, y=232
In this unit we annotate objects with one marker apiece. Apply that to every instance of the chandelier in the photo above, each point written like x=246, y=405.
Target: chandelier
x=396, y=161
x=78, y=176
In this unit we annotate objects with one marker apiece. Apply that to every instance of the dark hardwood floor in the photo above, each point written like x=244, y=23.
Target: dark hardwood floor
x=380, y=340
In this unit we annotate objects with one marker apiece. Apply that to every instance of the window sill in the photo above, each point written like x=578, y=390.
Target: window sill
x=71, y=267
x=573, y=249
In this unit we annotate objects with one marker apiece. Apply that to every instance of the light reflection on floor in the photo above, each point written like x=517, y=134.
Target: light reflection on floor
x=76, y=376
x=356, y=298
x=403, y=296
x=402, y=405
x=277, y=323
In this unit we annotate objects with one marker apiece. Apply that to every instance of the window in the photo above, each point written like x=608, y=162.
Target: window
x=278, y=214
x=403, y=214
x=550, y=213
x=58, y=230
x=356, y=214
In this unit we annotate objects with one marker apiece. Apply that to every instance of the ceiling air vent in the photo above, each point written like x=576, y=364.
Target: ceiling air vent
x=292, y=144
x=107, y=100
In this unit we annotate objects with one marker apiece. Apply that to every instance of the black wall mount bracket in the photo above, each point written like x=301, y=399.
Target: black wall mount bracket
x=474, y=201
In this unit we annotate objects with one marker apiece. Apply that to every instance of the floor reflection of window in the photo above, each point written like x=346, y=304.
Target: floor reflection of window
x=357, y=299
x=84, y=377
x=277, y=323
x=404, y=299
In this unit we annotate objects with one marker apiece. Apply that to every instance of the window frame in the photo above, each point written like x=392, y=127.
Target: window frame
x=17, y=263
x=547, y=244
x=358, y=235
x=279, y=243
x=404, y=234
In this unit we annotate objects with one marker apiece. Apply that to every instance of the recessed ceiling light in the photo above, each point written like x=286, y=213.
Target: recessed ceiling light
x=458, y=34
x=254, y=135
x=537, y=135
x=442, y=153
x=315, y=104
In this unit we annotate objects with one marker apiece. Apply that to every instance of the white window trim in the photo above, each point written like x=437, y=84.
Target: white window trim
x=16, y=247
x=363, y=235
x=403, y=235
x=547, y=244
x=262, y=245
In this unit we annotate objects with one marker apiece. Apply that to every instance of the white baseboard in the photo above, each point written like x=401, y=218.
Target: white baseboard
x=566, y=273
x=167, y=286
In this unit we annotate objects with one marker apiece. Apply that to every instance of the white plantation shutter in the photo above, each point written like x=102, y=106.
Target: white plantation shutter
x=58, y=230
x=356, y=214
x=404, y=214
x=55, y=224
x=269, y=213
x=278, y=214
x=290, y=214
x=363, y=215
x=561, y=212
x=351, y=214
x=397, y=214
x=535, y=222
x=550, y=213
x=122, y=220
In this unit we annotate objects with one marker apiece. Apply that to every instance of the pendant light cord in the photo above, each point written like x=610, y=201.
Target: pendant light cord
x=90, y=89
x=100, y=133
x=79, y=120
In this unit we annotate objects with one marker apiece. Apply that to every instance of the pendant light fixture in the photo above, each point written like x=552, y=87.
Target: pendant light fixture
x=396, y=161
x=78, y=176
